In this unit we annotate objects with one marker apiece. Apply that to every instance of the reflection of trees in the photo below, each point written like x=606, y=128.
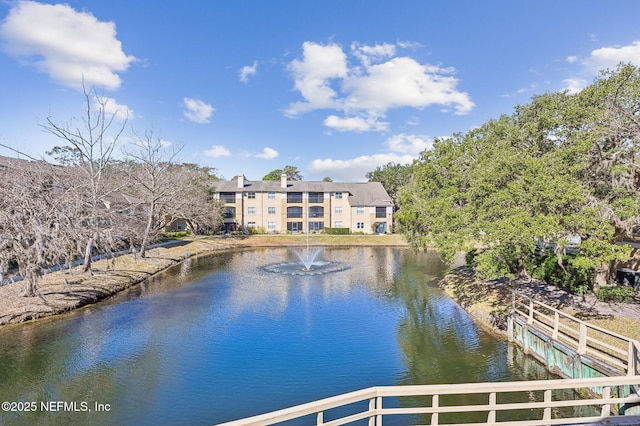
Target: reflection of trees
x=441, y=344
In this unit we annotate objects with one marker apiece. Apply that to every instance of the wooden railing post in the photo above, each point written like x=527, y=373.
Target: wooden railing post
x=530, y=319
x=556, y=325
x=632, y=361
x=582, y=342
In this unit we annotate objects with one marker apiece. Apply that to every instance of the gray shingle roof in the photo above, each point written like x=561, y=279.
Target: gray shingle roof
x=360, y=193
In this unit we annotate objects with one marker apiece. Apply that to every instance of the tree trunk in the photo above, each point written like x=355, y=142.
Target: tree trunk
x=88, y=255
x=147, y=230
x=601, y=276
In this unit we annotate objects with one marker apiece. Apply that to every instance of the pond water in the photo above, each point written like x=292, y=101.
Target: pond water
x=219, y=338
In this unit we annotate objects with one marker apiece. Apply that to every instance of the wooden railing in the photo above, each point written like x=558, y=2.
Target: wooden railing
x=537, y=403
x=613, y=349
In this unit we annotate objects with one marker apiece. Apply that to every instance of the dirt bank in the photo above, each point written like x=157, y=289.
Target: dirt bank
x=63, y=291
x=489, y=302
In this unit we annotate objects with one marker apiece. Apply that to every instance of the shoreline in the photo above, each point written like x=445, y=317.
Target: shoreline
x=70, y=289
x=488, y=302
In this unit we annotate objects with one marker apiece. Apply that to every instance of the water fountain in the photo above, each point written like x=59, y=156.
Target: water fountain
x=308, y=264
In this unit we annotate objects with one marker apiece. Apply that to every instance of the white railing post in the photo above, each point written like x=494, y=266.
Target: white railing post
x=320, y=418
x=582, y=342
x=491, y=418
x=606, y=408
x=530, y=319
x=372, y=408
x=547, y=400
x=435, y=403
x=379, y=409
x=556, y=325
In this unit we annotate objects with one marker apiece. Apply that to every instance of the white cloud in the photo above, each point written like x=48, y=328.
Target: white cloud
x=574, y=85
x=355, y=124
x=355, y=170
x=217, y=151
x=67, y=45
x=369, y=54
x=610, y=57
x=267, y=154
x=247, y=71
x=572, y=59
x=313, y=74
x=402, y=82
x=409, y=144
x=197, y=111
x=114, y=109
x=380, y=82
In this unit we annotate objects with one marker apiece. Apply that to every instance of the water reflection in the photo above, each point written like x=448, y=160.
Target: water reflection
x=219, y=338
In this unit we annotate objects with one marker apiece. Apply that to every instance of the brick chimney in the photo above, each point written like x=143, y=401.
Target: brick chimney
x=283, y=180
x=240, y=181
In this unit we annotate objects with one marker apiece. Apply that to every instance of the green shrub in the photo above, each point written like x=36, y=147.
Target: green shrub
x=257, y=230
x=338, y=231
x=470, y=257
x=573, y=278
x=617, y=294
x=173, y=235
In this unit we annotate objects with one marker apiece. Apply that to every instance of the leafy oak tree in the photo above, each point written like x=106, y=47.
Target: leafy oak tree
x=392, y=176
x=291, y=172
x=518, y=187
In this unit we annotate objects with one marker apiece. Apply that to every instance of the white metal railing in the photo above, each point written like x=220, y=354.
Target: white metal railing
x=615, y=350
x=541, y=410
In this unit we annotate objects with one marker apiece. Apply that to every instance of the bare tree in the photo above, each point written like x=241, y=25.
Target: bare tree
x=34, y=220
x=92, y=143
x=193, y=199
x=153, y=183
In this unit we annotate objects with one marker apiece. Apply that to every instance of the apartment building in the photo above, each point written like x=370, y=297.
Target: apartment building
x=301, y=206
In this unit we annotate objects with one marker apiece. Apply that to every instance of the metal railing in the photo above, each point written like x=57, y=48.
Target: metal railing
x=613, y=349
x=535, y=403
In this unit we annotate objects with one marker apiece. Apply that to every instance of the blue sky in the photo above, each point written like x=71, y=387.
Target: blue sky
x=333, y=87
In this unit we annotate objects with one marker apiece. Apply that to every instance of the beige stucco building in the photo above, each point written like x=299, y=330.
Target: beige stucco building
x=303, y=206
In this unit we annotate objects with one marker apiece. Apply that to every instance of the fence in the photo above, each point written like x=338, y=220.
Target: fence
x=616, y=353
x=525, y=403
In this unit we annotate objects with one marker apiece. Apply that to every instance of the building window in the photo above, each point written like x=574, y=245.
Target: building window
x=360, y=210
x=360, y=225
x=228, y=197
x=229, y=212
x=338, y=195
x=271, y=226
x=338, y=210
x=251, y=210
x=294, y=212
x=316, y=212
x=251, y=225
x=271, y=210
x=251, y=195
x=381, y=212
x=294, y=197
x=294, y=226
x=316, y=197
x=316, y=226
x=271, y=196
x=338, y=224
